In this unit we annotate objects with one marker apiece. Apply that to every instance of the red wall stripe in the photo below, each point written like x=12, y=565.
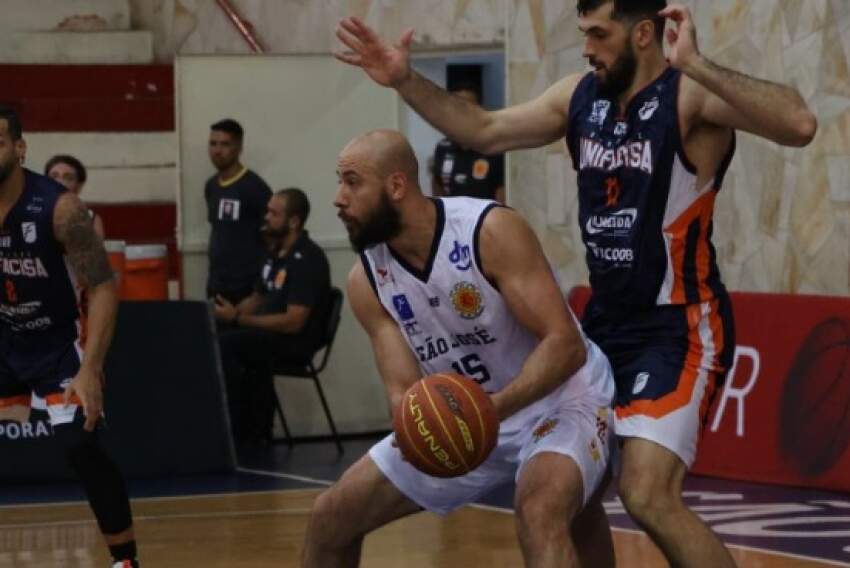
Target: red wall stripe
x=90, y=98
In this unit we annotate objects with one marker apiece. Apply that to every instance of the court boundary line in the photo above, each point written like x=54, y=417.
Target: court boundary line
x=281, y=475
x=275, y=474
x=162, y=517
x=505, y=510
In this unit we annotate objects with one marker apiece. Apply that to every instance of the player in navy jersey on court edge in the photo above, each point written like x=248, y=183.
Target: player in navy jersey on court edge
x=49, y=251
x=651, y=137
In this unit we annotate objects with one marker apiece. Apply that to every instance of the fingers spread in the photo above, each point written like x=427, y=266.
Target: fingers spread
x=349, y=39
x=349, y=57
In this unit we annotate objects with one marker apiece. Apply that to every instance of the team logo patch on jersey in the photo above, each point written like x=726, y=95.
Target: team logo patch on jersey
x=599, y=112
x=648, y=109
x=28, y=229
x=546, y=427
x=279, y=279
x=402, y=307
x=467, y=300
x=480, y=168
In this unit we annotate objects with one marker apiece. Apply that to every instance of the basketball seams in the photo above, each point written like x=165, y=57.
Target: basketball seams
x=448, y=435
x=411, y=440
x=483, y=445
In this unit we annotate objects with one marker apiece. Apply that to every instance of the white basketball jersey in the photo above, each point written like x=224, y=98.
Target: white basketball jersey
x=453, y=318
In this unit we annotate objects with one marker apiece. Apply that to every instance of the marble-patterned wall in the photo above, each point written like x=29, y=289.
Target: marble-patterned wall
x=782, y=221
x=300, y=26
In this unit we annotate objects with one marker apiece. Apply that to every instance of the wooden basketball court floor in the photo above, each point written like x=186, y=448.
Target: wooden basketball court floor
x=256, y=518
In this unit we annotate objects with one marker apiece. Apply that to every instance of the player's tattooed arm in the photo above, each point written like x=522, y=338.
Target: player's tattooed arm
x=74, y=228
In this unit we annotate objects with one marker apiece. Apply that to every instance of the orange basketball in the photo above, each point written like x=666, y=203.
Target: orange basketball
x=446, y=425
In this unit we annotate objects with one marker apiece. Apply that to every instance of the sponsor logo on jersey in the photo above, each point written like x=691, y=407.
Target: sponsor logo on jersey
x=544, y=429
x=5, y=242
x=402, y=307
x=279, y=279
x=411, y=328
x=636, y=154
x=595, y=454
x=24, y=430
x=648, y=109
x=602, y=425
x=467, y=301
x=20, y=310
x=599, y=112
x=621, y=128
x=460, y=179
x=384, y=276
x=620, y=255
x=28, y=229
x=641, y=379
x=480, y=168
x=461, y=257
x=434, y=302
x=618, y=223
x=28, y=267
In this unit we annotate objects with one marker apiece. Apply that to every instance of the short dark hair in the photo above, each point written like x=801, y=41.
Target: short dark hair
x=631, y=11
x=297, y=203
x=230, y=126
x=16, y=131
x=77, y=165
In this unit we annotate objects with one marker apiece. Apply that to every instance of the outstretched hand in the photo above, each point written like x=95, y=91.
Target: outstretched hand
x=387, y=65
x=682, y=37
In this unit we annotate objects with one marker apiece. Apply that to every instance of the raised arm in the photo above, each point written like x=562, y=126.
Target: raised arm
x=75, y=231
x=724, y=97
x=396, y=363
x=528, y=125
x=513, y=259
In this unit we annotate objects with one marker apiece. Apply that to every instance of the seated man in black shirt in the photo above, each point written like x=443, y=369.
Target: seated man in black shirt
x=463, y=172
x=281, y=320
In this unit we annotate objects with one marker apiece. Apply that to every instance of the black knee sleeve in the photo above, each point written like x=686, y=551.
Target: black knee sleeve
x=103, y=483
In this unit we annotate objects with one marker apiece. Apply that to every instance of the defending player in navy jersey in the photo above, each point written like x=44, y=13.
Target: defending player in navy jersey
x=462, y=284
x=49, y=251
x=651, y=137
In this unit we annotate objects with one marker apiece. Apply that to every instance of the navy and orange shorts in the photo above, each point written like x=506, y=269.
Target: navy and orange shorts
x=668, y=363
x=35, y=369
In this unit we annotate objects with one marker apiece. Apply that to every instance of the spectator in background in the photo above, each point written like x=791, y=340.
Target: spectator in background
x=462, y=172
x=236, y=202
x=281, y=320
x=71, y=173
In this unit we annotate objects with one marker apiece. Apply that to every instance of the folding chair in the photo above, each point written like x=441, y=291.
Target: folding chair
x=309, y=370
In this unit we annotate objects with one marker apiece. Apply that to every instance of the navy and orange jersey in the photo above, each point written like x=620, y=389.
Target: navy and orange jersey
x=40, y=293
x=645, y=223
